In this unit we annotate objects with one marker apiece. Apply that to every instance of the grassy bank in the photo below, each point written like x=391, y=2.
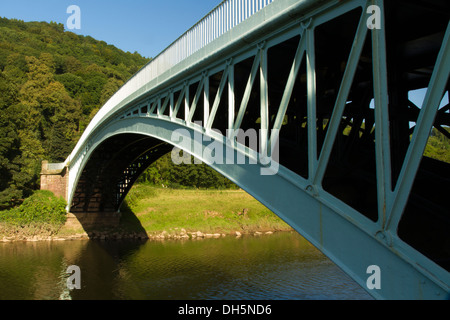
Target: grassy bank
x=208, y=211
x=148, y=211
x=41, y=215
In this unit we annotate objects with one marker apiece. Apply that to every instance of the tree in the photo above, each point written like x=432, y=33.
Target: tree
x=71, y=82
x=52, y=83
x=111, y=87
x=61, y=137
x=9, y=146
x=164, y=171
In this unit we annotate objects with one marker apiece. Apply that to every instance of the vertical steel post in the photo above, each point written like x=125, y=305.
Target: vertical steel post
x=231, y=99
x=382, y=143
x=264, y=102
x=311, y=103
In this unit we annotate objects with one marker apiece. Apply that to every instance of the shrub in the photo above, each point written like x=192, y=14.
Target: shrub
x=42, y=207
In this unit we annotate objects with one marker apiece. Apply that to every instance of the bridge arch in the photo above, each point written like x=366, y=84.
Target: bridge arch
x=123, y=150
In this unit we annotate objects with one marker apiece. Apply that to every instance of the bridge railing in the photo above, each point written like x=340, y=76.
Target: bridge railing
x=220, y=20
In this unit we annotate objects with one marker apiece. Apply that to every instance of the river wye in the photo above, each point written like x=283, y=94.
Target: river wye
x=281, y=266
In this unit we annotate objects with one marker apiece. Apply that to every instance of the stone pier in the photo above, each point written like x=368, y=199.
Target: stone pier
x=55, y=177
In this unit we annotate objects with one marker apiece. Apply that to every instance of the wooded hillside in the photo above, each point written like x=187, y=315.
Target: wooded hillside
x=52, y=83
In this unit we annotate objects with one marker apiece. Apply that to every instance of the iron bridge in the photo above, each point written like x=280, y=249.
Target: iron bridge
x=327, y=85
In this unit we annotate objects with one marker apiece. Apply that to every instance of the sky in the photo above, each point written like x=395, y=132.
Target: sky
x=145, y=26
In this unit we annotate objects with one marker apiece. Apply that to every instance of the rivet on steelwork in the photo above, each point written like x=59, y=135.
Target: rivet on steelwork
x=306, y=24
x=312, y=190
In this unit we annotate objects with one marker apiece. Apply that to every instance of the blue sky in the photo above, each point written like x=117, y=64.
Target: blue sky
x=145, y=26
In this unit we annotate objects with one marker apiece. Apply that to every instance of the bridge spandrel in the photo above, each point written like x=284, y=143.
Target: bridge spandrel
x=324, y=88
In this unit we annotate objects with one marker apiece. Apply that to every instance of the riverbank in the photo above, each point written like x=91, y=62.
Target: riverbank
x=160, y=213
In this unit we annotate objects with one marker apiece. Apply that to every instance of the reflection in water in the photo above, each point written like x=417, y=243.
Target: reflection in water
x=279, y=266
x=36, y=270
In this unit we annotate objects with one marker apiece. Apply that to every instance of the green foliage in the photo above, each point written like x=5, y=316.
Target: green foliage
x=41, y=207
x=438, y=146
x=72, y=83
x=165, y=172
x=51, y=85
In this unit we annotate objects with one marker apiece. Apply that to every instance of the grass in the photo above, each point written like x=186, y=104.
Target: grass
x=209, y=211
x=151, y=210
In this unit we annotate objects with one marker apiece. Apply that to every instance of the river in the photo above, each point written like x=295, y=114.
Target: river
x=281, y=266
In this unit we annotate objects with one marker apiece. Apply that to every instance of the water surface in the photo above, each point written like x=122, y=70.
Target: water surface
x=269, y=267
